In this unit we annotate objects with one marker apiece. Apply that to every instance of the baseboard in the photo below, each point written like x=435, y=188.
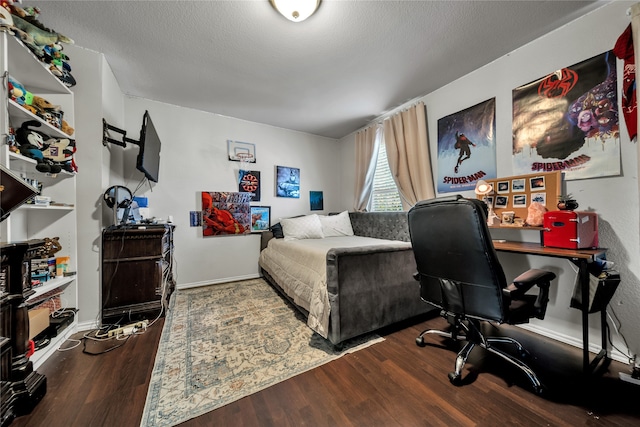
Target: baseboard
x=42, y=355
x=572, y=341
x=217, y=281
x=87, y=326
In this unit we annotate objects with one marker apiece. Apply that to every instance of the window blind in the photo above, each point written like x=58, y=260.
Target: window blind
x=385, y=196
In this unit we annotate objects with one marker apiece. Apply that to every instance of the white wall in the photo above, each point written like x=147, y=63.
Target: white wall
x=96, y=95
x=614, y=198
x=194, y=159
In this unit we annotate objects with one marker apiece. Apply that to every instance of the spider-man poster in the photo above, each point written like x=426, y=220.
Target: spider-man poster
x=249, y=182
x=467, y=147
x=225, y=213
x=568, y=121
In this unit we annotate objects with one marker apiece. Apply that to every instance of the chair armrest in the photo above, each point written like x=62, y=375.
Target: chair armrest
x=525, y=281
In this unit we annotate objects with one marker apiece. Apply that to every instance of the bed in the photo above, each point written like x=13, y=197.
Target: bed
x=351, y=278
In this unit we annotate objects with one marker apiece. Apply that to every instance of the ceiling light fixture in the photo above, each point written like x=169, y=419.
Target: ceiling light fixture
x=296, y=10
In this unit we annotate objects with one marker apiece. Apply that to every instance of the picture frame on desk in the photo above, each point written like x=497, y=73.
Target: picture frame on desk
x=507, y=218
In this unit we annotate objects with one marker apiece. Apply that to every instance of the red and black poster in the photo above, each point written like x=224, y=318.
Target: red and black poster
x=249, y=182
x=568, y=121
x=467, y=147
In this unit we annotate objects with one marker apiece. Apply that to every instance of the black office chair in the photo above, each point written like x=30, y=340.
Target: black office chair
x=459, y=273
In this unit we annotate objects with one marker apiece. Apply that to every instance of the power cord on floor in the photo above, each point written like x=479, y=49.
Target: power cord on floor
x=113, y=332
x=88, y=338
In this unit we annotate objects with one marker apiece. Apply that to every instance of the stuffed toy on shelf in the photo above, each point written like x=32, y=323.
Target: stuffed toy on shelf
x=31, y=143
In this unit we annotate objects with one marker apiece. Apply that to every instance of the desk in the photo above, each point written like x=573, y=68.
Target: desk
x=581, y=258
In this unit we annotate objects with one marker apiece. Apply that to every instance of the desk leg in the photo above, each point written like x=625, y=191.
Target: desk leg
x=591, y=367
x=583, y=277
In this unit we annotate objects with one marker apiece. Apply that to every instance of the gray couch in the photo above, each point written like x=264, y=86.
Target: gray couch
x=373, y=287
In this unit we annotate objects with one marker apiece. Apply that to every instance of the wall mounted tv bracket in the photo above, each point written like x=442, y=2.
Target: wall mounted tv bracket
x=106, y=127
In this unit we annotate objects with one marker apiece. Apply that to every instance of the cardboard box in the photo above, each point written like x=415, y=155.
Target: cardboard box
x=38, y=321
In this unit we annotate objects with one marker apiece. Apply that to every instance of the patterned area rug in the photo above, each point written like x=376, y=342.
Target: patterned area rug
x=224, y=342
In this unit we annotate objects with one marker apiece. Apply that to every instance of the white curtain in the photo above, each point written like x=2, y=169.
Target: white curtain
x=367, y=143
x=405, y=137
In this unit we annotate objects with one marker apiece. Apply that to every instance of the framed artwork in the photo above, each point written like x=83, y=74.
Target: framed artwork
x=537, y=183
x=316, y=200
x=539, y=197
x=241, y=151
x=518, y=185
x=195, y=218
x=501, y=201
x=249, y=182
x=520, y=201
x=225, y=213
x=568, y=120
x=260, y=218
x=467, y=147
x=287, y=182
x=503, y=187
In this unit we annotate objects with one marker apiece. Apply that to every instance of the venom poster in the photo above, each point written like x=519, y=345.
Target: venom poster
x=568, y=121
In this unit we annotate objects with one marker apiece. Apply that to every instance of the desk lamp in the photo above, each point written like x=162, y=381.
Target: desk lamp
x=483, y=188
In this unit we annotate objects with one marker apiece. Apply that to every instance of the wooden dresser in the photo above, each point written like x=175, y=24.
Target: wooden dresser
x=21, y=388
x=137, y=272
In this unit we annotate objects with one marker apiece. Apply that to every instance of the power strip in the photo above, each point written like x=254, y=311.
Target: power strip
x=628, y=378
x=128, y=329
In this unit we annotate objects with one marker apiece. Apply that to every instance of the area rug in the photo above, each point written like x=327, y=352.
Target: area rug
x=223, y=342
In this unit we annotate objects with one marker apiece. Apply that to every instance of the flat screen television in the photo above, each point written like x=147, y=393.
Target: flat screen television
x=148, y=161
x=14, y=191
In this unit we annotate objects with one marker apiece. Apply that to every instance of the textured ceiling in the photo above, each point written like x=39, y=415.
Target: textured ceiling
x=346, y=65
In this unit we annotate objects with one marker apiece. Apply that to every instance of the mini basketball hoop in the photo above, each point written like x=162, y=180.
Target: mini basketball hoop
x=245, y=159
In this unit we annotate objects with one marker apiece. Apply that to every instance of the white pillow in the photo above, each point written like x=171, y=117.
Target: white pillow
x=336, y=225
x=304, y=227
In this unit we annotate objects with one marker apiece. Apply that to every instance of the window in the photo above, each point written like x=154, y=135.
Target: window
x=385, y=196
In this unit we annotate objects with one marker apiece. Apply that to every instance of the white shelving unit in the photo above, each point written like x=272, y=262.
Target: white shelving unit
x=31, y=221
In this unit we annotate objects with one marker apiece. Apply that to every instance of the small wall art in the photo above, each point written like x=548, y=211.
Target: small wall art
x=260, y=218
x=518, y=185
x=249, y=182
x=287, y=182
x=225, y=213
x=316, y=200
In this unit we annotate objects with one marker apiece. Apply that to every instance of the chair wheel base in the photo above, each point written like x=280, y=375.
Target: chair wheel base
x=455, y=379
x=540, y=390
x=420, y=341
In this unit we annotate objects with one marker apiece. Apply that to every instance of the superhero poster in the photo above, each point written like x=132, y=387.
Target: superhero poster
x=467, y=147
x=249, y=182
x=225, y=213
x=568, y=121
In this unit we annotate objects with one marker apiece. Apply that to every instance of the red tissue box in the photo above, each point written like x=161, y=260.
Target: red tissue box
x=570, y=229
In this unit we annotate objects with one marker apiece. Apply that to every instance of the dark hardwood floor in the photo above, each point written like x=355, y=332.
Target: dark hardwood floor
x=393, y=383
